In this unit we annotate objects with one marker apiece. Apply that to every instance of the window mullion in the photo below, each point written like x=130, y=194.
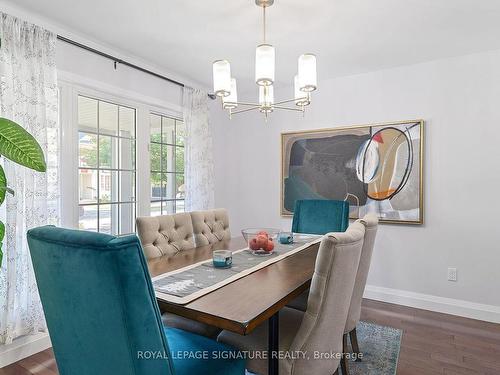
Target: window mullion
x=98, y=169
x=174, y=169
x=118, y=180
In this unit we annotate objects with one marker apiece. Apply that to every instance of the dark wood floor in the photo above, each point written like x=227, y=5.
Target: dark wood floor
x=432, y=344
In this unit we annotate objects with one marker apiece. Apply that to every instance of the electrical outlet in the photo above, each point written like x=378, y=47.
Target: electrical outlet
x=452, y=274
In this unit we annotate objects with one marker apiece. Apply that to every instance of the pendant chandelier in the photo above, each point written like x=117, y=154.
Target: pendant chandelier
x=304, y=82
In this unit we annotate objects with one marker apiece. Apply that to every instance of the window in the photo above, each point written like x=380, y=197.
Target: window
x=167, y=165
x=106, y=167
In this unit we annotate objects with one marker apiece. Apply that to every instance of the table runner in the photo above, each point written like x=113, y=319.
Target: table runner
x=194, y=281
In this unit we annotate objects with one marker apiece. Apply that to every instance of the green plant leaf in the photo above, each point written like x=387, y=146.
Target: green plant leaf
x=2, y=231
x=20, y=146
x=3, y=185
x=2, y=235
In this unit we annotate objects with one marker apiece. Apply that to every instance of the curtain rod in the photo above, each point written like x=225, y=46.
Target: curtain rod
x=117, y=60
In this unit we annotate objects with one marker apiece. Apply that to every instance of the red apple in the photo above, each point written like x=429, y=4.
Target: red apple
x=261, y=241
x=263, y=233
x=252, y=244
x=269, y=246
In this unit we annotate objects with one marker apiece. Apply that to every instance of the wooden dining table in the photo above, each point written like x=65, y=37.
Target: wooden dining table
x=246, y=303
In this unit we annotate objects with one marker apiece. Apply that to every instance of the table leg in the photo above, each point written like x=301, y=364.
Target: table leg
x=273, y=344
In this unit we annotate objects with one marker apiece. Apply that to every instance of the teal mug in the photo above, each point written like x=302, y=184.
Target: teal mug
x=222, y=258
x=286, y=238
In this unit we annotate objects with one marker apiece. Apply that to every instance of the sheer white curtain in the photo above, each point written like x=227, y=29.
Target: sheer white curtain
x=28, y=96
x=199, y=168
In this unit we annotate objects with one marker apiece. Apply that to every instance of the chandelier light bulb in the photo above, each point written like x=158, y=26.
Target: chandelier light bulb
x=264, y=65
x=266, y=98
x=222, y=77
x=301, y=97
x=307, y=72
x=231, y=101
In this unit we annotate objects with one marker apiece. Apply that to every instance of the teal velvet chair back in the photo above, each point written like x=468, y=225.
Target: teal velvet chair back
x=320, y=216
x=99, y=303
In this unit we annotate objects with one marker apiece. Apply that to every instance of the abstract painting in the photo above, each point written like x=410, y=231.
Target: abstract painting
x=377, y=168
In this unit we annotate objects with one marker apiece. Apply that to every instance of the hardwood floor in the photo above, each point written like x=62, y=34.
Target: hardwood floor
x=432, y=344
x=436, y=343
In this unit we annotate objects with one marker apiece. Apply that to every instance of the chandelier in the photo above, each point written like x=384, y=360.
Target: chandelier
x=304, y=82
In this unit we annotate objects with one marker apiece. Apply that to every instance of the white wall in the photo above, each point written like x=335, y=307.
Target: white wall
x=459, y=99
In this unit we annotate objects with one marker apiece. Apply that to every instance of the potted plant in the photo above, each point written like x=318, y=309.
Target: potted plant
x=21, y=147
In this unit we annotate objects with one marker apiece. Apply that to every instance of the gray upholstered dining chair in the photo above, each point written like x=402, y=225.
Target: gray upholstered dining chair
x=321, y=327
x=166, y=234
x=210, y=226
x=370, y=221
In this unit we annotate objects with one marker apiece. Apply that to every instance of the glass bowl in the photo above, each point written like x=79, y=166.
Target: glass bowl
x=261, y=241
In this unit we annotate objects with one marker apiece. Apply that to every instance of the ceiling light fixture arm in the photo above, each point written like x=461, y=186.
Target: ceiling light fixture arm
x=277, y=105
x=301, y=109
x=305, y=98
x=256, y=106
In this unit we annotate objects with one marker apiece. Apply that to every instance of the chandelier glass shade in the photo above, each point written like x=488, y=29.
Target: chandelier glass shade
x=307, y=72
x=265, y=57
x=222, y=77
x=264, y=65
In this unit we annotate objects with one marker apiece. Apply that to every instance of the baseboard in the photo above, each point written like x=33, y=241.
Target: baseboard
x=23, y=347
x=478, y=311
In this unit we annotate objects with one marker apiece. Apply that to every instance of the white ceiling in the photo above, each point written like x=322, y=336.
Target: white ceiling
x=348, y=36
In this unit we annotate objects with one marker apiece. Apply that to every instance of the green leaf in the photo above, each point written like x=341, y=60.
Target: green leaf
x=3, y=185
x=2, y=235
x=20, y=146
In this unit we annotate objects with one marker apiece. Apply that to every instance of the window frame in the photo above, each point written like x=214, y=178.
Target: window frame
x=70, y=87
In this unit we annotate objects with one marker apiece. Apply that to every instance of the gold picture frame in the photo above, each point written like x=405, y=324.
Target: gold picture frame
x=364, y=132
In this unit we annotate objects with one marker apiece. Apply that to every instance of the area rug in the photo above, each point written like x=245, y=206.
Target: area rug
x=380, y=347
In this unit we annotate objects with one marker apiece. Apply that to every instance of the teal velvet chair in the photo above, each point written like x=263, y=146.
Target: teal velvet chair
x=320, y=216
x=102, y=314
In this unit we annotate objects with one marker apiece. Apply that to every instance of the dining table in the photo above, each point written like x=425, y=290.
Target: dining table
x=248, y=302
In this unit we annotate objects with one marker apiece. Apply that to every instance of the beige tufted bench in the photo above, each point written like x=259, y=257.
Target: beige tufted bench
x=165, y=235
x=210, y=226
